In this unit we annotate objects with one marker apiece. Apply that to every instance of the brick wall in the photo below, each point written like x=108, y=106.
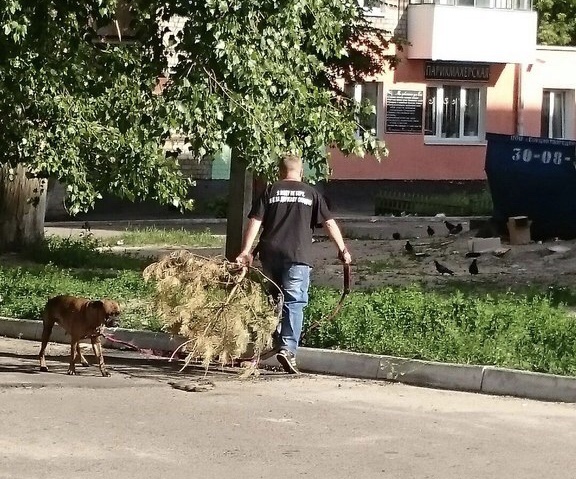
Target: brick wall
x=190, y=165
x=391, y=16
x=401, y=30
x=197, y=170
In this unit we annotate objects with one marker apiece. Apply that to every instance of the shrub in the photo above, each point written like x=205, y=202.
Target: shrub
x=80, y=253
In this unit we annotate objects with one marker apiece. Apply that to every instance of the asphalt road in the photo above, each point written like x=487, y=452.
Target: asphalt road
x=135, y=425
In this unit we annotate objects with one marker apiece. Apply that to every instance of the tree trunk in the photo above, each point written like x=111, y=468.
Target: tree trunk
x=239, y=203
x=22, y=208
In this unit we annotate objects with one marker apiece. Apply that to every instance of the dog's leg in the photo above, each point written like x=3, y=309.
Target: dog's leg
x=81, y=356
x=97, y=347
x=46, y=332
x=73, y=348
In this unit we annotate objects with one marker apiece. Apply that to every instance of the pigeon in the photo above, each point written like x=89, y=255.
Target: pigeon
x=443, y=269
x=449, y=226
x=396, y=235
x=457, y=229
x=408, y=247
x=86, y=226
x=430, y=231
x=473, y=268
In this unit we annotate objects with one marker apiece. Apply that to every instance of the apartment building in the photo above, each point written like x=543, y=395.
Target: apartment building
x=470, y=67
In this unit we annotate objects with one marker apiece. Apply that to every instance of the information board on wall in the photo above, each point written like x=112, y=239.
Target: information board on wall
x=404, y=110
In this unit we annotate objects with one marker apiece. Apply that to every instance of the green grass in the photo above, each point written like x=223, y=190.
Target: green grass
x=25, y=290
x=76, y=267
x=168, y=237
x=378, y=265
x=556, y=294
x=534, y=333
x=81, y=253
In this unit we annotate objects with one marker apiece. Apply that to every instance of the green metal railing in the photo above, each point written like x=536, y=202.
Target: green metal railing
x=455, y=204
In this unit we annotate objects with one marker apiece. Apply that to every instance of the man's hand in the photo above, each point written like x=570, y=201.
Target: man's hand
x=345, y=256
x=245, y=259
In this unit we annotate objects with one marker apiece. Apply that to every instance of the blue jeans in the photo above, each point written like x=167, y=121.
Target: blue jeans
x=294, y=280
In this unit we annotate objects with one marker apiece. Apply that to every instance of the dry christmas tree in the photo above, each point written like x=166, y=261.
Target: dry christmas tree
x=224, y=310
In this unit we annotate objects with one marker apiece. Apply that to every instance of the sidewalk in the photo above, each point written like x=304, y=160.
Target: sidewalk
x=471, y=378
x=352, y=225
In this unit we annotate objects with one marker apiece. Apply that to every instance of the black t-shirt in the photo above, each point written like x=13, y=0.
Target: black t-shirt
x=289, y=211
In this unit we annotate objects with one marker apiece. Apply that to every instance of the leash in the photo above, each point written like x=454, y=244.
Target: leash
x=146, y=352
x=346, y=288
x=112, y=339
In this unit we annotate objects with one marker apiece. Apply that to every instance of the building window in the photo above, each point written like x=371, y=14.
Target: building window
x=553, y=114
x=454, y=112
x=367, y=92
x=501, y=4
x=377, y=7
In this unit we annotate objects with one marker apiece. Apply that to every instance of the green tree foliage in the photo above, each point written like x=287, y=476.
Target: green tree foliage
x=556, y=22
x=83, y=113
x=258, y=75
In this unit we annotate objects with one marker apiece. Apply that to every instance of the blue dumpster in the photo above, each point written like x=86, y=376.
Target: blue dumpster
x=534, y=177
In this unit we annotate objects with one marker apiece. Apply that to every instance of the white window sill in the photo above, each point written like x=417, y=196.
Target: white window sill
x=374, y=12
x=453, y=141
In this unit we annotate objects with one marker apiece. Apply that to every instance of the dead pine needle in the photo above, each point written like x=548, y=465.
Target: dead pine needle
x=223, y=310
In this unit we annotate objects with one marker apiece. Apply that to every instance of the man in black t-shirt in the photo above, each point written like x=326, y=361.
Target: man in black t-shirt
x=288, y=211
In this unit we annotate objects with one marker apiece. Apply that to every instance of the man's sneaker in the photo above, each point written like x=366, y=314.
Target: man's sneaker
x=288, y=361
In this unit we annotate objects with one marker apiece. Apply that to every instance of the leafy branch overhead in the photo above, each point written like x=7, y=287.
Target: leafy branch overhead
x=556, y=22
x=259, y=76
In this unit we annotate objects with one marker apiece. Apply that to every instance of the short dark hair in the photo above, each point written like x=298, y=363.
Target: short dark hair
x=290, y=162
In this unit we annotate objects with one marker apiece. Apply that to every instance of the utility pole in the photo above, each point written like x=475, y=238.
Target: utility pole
x=239, y=203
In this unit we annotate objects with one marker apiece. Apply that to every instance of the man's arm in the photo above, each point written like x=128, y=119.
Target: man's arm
x=245, y=257
x=336, y=236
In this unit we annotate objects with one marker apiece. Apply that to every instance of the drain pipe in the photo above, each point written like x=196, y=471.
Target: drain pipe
x=519, y=99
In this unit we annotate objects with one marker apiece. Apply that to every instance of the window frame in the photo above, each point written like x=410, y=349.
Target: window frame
x=379, y=103
x=373, y=11
x=437, y=138
x=567, y=112
x=523, y=5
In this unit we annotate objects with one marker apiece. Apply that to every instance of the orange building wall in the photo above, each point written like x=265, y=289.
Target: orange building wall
x=409, y=158
x=553, y=68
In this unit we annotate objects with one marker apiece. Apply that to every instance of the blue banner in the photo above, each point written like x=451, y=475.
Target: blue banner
x=534, y=177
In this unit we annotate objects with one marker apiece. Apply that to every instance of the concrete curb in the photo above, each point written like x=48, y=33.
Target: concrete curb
x=31, y=329
x=338, y=363
x=459, y=377
x=545, y=387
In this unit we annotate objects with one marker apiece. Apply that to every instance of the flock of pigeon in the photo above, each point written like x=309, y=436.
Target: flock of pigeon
x=452, y=230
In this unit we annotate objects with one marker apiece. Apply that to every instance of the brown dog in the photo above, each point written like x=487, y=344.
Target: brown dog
x=80, y=318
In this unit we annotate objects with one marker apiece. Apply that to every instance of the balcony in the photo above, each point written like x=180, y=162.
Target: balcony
x=494, y=31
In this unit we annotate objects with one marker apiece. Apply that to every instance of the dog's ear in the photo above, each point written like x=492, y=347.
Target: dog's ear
x=95, y=311
x=97, y=304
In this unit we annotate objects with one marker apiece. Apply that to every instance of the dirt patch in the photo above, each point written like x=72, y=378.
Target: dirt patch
x=384, y=261
x=378, y=263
